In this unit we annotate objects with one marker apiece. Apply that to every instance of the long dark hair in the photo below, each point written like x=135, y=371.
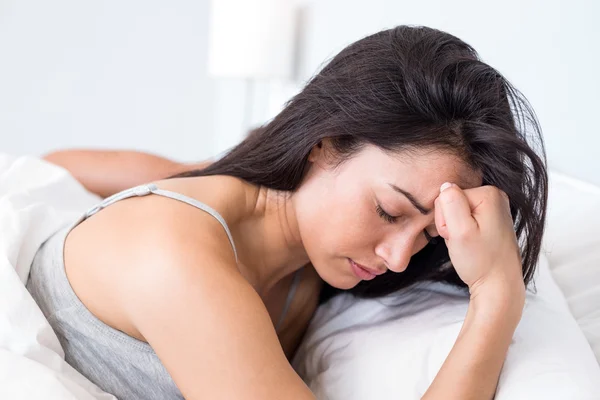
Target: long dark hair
x=402, y=88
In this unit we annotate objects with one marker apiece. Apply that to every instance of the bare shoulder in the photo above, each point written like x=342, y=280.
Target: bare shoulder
x=137, y=231
x=228, y=195
x=174, y=282
x=140, y=229
x=208, y=325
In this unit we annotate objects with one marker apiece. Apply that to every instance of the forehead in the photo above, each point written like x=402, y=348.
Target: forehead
x=421, y=170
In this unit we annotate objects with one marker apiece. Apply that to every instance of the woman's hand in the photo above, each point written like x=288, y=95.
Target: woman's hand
x=478, y=229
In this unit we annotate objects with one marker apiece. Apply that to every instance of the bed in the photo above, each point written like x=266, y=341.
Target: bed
x=389, y=348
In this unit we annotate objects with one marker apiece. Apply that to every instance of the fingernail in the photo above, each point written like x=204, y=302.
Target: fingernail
x=445, y=186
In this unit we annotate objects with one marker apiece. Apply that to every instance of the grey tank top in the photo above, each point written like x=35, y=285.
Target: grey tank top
x=116, y=362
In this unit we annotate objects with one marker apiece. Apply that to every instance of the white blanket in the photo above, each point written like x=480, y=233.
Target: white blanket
x=36, y=200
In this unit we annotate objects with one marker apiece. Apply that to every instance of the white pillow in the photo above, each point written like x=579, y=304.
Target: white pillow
x=572, y=241
x=392, y=347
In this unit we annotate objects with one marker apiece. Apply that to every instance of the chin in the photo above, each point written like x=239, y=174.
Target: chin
x=341, y=283
x=342, y=280
x=345, y=283
x=351, y=284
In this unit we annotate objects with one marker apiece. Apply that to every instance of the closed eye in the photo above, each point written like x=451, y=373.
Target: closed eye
x=391, y=219
x=386, y=217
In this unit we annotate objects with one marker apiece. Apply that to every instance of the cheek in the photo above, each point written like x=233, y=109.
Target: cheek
x=337, y=222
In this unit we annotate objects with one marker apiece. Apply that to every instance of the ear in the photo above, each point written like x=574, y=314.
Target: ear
x=318, y=152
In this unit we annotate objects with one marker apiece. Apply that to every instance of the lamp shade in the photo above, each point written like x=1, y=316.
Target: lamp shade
x=251, y=38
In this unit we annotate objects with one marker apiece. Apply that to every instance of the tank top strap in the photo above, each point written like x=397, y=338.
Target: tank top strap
x=144, y=190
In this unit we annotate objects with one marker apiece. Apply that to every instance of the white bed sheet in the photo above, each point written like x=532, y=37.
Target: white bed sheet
x=36, y=199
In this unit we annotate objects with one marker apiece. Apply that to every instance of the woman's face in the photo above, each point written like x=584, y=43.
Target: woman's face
x=373, y=209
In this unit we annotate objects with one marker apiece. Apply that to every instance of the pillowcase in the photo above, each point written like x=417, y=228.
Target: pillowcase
x=572, y=241
x=392, y=347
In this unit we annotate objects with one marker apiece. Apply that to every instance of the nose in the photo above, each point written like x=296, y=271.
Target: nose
x=395, y=252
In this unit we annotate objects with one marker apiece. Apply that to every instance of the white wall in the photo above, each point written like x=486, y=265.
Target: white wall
x=132, y=73
x=106, y=74
x=549, y=49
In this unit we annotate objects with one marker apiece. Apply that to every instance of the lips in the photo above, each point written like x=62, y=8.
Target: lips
x=369, y=270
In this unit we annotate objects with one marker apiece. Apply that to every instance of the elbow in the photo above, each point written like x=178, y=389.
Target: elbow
x=54, y=157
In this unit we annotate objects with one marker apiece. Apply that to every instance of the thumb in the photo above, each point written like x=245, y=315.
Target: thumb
x=455, y=218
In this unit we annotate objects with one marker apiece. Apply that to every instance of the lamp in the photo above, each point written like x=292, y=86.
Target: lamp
x=251, y=40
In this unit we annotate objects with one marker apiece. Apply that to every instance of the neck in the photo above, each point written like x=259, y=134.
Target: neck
x=270, y=245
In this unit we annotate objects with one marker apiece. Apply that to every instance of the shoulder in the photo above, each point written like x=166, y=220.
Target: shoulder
x=201, y=316
x=230, y=196
x=148, y=234
x=167, y=227
x=181, y=234
x=183, y=257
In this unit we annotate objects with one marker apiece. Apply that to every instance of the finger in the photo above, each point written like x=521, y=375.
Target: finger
x=456, y=211
x=440, y=222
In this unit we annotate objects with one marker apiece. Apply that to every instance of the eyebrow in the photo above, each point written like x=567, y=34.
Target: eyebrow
x=422, y=209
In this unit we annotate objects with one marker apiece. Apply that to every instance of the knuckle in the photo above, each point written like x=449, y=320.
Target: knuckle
x=496, y=193
x=502, y=194
x=503, y=197
x=490, y=190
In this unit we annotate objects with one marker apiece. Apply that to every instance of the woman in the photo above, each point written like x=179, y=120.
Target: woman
x=406, y=158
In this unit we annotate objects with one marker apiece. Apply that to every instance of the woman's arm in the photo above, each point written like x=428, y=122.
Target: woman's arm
x=108, y=172
x=477, y=227
x=473, y=366
x=207, y=324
